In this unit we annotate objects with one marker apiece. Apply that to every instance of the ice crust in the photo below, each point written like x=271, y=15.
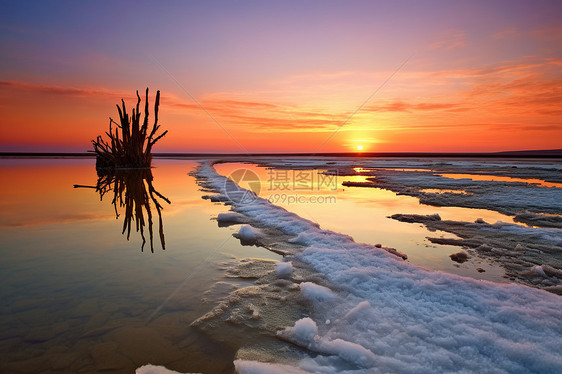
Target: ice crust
x=391, y=316
x=526, y=200
x=507, y=197
x=404, y=163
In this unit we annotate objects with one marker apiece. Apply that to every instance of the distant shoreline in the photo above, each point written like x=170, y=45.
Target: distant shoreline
x=553, y=153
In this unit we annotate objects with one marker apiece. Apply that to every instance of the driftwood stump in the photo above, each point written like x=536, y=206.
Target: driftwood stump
x=130, y=142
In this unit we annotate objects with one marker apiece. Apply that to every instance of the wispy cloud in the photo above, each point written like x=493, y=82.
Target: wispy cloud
x=62, y=91
x=506, y=33
x=503, y=67
x=548, y=33
x=403, y=106
x=294, y=122
x=450, y=39
x=17, y=222
x=259, y=116
x=520, y=90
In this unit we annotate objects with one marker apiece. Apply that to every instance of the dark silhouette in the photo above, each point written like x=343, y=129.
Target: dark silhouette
x=132, y=190
x=133, y=148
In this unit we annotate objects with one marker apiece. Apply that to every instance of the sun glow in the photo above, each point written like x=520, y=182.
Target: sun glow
x=359, y=147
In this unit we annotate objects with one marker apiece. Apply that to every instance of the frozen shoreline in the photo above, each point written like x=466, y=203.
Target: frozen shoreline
x=529, y=192
x=393, y=309
x=369, y=311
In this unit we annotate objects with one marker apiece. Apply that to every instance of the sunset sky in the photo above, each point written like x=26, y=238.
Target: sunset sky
x=286, y=76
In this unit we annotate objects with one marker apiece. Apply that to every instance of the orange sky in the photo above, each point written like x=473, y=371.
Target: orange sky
x=325, y=77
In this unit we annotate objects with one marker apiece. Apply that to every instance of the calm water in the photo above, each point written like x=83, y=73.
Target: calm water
x=78, y=297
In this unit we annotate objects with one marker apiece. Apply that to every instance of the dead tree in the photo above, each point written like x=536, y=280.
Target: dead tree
x=130, y=142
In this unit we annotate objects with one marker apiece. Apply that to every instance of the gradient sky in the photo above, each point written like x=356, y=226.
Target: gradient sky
x=287, y=76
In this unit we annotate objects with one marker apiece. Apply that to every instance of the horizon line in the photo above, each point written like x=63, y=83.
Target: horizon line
x=544, y=153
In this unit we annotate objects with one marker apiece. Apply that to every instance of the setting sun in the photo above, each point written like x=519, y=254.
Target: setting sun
x=359, y=147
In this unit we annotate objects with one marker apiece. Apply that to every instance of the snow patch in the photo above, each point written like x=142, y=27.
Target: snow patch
x=305, y=334
x=538, y=270
x=284, y=269
x=249, y=234
x=216, y=198
x=315, y=292
x=253, y=367
x=230, y=218
x=545, y=271
x=152, y=369
x=357, y=310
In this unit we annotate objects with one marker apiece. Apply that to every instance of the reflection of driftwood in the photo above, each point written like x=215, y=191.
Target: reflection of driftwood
x=133, y=190
x=133, y=147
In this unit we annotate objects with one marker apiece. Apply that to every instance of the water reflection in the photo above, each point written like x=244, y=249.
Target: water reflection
x=133, y=190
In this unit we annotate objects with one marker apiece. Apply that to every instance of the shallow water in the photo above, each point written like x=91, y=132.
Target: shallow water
x=363, y=214
x=78, y=297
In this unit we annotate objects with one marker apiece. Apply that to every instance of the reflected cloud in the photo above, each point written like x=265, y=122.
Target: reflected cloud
x=38, y=221
x=133, y=191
